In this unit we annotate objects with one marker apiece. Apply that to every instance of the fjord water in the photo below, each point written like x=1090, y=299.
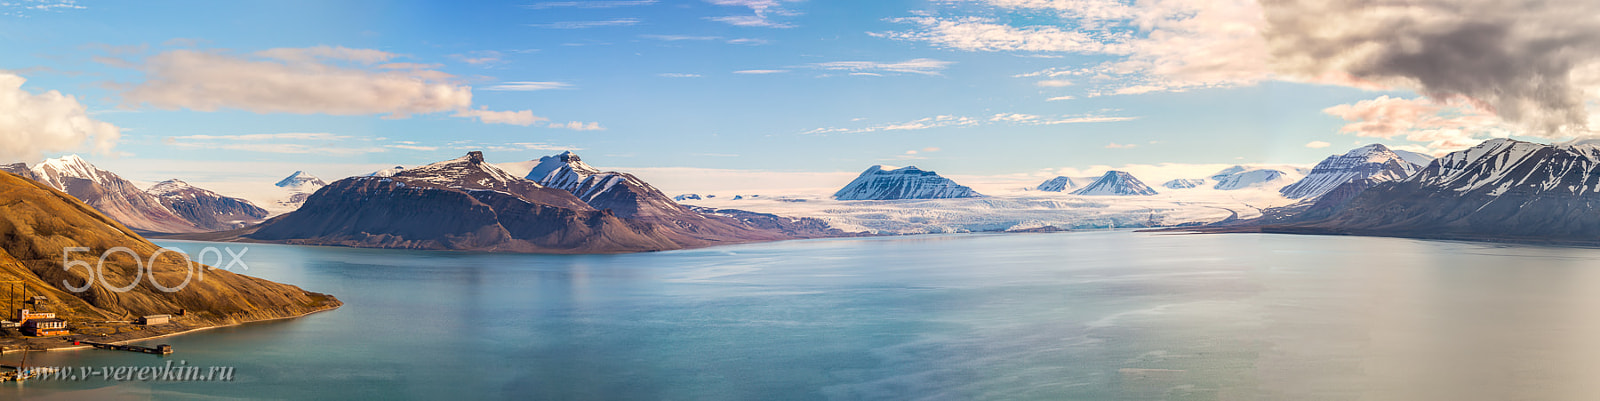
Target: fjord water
x=1083, y=315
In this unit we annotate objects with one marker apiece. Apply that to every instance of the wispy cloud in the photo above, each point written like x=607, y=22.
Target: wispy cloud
x=921, y=66
x=760, y=72
x=304, y=136
x=579, y=126
x=762, y=13
x=1318, y=144
x=675, y=38
x=678, y=75
x=589, y=4
x=1115, y=145
x=518, y=117
x=588, y=24
x=949, y=121
x=480, y=58
x=527, y=86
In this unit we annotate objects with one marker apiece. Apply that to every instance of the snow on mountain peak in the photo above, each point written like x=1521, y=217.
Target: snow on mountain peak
x=566, y=171
x=169, y=186
x=1058, y=184
x=1116, y=183
x=1372, y=164
x=907, y=182
x=300, y=179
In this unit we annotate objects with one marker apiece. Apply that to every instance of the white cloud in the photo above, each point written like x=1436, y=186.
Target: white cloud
x=675, y=38
x=413, y=147
x=519, y=117
x=303, y=136
x=481, y=57
x=762, y=13
x=1053, y=83
x=26, y=8
x=748, y=41
x=525, y=86
x=33, y=124
x=1059, y=98
x=1318, y=144
x=300, y=81
x=589, y=4
x=981, y=34
x=677, y=75
x=1155, y=45
x=944, y=121
x=588, y=24
x=1115, y=145
x=759, y=72
x=921, y=66
x=1442, y=127
x=579, y=126
x=315, y=80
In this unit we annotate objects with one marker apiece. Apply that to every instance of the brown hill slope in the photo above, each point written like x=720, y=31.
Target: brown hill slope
x=38, y=222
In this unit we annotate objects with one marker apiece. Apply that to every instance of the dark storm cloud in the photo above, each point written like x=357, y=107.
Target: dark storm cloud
x=1514, y=57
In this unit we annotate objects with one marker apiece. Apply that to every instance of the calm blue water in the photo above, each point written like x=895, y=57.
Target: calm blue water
x=1094, y=315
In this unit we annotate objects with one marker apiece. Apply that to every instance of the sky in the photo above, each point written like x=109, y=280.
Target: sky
x=699, y=91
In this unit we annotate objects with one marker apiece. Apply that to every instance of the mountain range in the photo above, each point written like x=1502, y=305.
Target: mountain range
x=169, y=207
x=1501, y=189
x=38, y=221
x=469, y=204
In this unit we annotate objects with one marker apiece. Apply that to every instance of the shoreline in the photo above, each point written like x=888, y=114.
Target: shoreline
x=68, y=346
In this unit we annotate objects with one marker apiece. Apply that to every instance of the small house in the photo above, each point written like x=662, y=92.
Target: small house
x=155, y=320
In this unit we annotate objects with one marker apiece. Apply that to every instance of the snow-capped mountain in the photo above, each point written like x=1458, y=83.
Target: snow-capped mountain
x=1057, y=184
x=297, y=187
x=566, y=171
x=1184, y=183
x=1501, y=188
x=902, y=183
x=204, y=208
x=1421, y=160
x=1239, y=177
x=388, y=172
x=1116, y=183
x=1374, y=163
x=622, y=193
x=301, y=179
x=110, y=194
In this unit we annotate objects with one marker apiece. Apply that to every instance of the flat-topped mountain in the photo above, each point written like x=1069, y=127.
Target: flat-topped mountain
x=1239, y=177
x=902, y=183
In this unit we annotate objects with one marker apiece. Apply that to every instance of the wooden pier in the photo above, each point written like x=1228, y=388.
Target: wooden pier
x=162, y=349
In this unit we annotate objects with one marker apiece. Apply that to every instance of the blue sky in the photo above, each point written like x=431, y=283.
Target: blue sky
x=773, y=85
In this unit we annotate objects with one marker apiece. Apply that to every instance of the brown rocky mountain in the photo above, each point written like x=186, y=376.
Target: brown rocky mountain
x=469, y=204
x=37, y=222
x=169, y=207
